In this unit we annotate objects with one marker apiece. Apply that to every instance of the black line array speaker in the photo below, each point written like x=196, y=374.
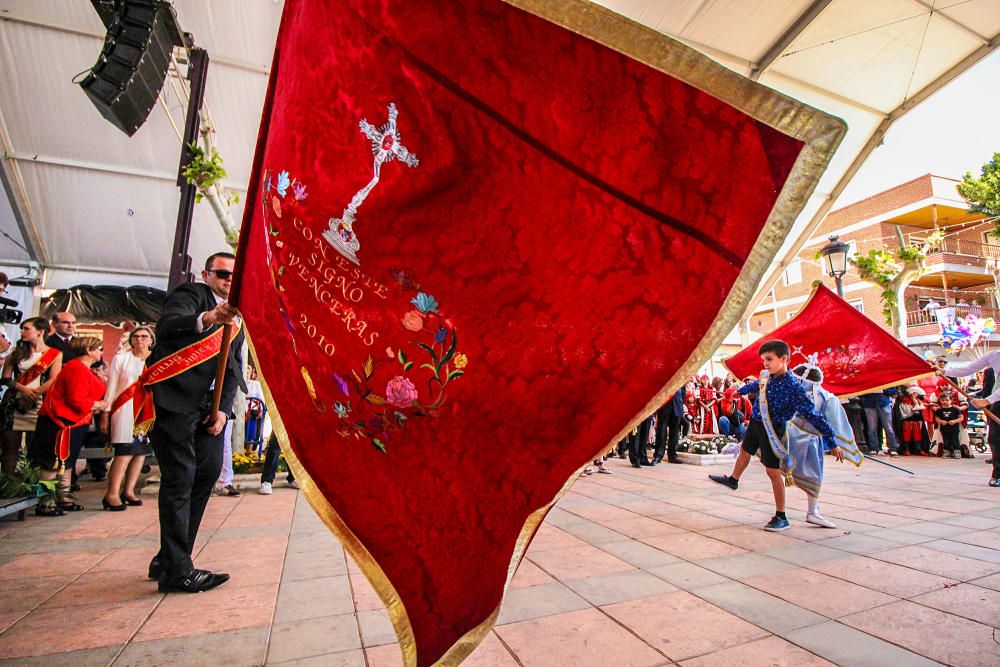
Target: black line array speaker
x=128, y=75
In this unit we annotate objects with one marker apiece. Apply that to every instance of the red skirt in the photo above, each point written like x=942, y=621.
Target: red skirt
x=913, y=430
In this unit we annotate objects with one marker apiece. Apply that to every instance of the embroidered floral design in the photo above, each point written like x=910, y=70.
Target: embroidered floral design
x=413, y=321
x=283, y=182
x=400, y=392
x=411, y=379
x=438, y=365
x=425, y=303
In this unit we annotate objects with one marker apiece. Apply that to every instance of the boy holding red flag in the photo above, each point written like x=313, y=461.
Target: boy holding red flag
x=780, y=397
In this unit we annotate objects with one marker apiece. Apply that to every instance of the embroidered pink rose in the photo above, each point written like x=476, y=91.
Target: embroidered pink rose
x=413, y=321
x=400, y=392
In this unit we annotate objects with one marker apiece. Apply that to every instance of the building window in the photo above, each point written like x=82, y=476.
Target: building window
x=793, y=274
x=858, y=304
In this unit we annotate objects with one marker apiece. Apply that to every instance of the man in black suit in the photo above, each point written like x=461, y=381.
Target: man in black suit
x=64, y=328
x=186, y=437
x=668, y=418
x=637, y=445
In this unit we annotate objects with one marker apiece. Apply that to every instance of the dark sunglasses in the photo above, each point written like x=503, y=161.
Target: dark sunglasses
x=223, y=274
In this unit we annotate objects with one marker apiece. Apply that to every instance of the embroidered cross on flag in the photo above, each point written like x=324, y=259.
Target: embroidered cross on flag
x=445, y=343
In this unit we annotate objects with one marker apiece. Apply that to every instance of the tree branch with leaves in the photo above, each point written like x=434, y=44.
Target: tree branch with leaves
x=205, y=171
x=983, y=196
x=893, y=271
x=983, y=193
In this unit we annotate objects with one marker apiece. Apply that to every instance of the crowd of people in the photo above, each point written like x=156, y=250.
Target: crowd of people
x=925, y=418
x=94, y=410
x=58, y=389
x=929, y=417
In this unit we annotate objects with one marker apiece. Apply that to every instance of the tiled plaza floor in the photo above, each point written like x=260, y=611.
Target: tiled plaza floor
x=643, y=567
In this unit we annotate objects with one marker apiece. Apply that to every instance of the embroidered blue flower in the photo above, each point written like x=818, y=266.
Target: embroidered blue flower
x=425, y=303
x=340, y=409
x=299, y=190
x=440, y=335
x=339, y=381
x=283, y=183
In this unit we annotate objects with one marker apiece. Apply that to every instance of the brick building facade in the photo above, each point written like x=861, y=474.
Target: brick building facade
x=960, y=272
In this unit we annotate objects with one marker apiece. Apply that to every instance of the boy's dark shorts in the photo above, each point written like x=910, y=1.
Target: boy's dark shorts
x=756, y=439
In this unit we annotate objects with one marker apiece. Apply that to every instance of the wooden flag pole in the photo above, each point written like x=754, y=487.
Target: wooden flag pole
x=996, y=420
x=220, y=368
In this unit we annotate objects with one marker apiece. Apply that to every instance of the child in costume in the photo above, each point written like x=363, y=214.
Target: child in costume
x=913, y=440
x=949, y=421
x=805, y=445
x=780, y=397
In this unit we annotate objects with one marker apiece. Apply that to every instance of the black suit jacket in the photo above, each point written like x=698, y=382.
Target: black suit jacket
x=677, y=402
x=190, y=391
x=61, y=345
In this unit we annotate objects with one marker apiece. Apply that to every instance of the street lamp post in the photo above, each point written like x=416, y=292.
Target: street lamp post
x=836, y=261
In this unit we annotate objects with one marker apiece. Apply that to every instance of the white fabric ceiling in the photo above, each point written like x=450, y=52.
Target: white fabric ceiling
x=93, y=205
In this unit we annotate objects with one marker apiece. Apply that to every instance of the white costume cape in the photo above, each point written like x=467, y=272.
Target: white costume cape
x=805, y=445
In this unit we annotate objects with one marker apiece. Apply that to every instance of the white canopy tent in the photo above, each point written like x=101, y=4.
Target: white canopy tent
x=88, y=204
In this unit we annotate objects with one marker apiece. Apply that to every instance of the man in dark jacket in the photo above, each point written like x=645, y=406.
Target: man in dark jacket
x=186, y=436
x=64, y=328
x=668, y=427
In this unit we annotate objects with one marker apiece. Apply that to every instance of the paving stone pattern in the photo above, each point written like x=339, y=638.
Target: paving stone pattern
x=646, y=567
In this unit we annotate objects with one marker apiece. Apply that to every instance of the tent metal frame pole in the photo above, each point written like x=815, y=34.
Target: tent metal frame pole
x=804, y=21
x=874, y=141
x=13, y=184
x=88, y=165
x=180, y=261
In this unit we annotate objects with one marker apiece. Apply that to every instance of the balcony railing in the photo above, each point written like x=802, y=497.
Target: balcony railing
x=967, y=247
x=918, y=317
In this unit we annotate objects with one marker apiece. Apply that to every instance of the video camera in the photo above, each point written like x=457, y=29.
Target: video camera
x=9, y=314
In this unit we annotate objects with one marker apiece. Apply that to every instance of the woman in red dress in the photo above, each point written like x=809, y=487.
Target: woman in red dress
x=706, y=406
x=66, y=412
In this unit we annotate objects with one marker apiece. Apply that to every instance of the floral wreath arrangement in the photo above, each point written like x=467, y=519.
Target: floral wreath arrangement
x=713, y=446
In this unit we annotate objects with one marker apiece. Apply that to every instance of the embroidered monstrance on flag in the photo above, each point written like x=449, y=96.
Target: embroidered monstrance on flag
x=483, y=240
x=855, y=354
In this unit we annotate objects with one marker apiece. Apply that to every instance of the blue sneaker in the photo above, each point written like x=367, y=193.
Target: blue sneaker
x=777, y=524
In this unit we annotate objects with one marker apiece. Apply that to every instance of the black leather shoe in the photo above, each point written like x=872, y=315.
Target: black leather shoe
x=674, y=461
x=657, y=461
x=636, y=465
x=155, y=569
x=196, y=581
x=647, y=463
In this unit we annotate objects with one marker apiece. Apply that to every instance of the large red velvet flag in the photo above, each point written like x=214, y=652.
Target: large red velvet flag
x=483, y=240
x=855, y=354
